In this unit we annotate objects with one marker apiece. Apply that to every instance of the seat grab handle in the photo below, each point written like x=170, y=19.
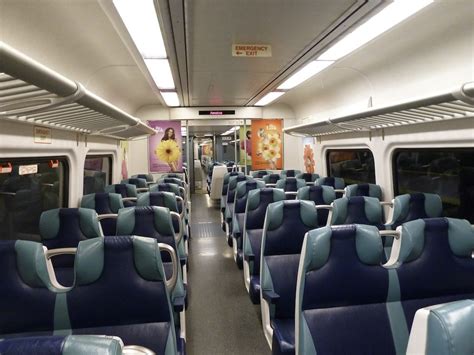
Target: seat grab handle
x=171, y=283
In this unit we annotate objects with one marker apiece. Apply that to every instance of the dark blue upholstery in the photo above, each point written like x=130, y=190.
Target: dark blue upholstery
x=308, y=177
x=254, y=219
x=342, y=296
x=285, y=227
x=25, y=307
x=259, y=174
x=319, y=197
x=271, y=178
x=125, y=190
x=102, y=204
x=437, y=275
x=131, y=306
x=354, y=210
x=47, y=345
x=414, y=206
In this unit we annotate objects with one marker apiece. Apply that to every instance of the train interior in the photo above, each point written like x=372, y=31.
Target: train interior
x=236, y=177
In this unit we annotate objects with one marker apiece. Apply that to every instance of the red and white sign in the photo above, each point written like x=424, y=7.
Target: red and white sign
x=251, y=50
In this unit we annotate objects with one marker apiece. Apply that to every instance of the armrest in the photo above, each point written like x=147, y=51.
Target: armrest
x=178, y=304
x=390, y=233
x=324, y=207
x=340, y=191
x=60, y=251
x=100, y=217
x=171, y=283
x=386, y=203
x=129, y=199
x=249, y=257
x=293, y=193
x=270, y=185
x=179, y=234
x=143, y=189
x=270, y=296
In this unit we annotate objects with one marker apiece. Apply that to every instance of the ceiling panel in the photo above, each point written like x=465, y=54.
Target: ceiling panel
x=214, y=25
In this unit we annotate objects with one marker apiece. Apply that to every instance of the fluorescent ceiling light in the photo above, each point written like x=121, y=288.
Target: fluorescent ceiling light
x=270, y=97
x=389, y=17
x=160, y=71
x=231, y=130
x=142, y=24
x=171, y=98
x=305, y=73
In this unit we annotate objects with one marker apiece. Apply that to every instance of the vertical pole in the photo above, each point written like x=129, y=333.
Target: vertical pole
x=214, y=148
x=190, y=170
x=235, y=146
x=245, y=145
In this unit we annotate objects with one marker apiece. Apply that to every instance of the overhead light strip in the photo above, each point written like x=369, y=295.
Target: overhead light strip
x=139, y=17
x=389, y=17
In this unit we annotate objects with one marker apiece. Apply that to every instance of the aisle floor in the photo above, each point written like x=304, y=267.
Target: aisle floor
x=220, y=317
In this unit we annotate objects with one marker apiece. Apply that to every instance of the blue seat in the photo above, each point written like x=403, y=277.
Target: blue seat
x=369, y=190
x=358, y=210
x=308, y=177
x=225, y=187
x=290, y=186
x=271, y=179
x=241, y=193
x=62, y=345
x=256, y=207
x=140, y=184
x=286, y=223
x=26, y=301
x=148, y=178
x=443, y=329
x=65, y=228
x=320, y=195
x=289, y=173
x=121, y=290
x=409, y=207
x=229, y=205
x=182, y=188
x=341, y=299
x=168, y=200
x=107, y=206
x=179, y=193
x=334, y=182
x=259, y=173
x=127, y=191
x=154, y=222
x=435, y=264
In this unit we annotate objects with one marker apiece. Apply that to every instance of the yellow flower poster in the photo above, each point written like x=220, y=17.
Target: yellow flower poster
x=267, y=145
x=164, y=148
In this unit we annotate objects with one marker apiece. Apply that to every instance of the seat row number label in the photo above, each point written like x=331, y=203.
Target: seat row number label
x=251, y=50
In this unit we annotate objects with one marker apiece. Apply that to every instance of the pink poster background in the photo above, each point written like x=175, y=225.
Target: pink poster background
x=164, y=151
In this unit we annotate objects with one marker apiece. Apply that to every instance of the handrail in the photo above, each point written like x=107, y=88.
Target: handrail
x=50, y=253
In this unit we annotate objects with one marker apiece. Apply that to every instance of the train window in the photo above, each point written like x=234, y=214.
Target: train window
x=446, y=172
x=355, y=166
x=97, y=173
x=29, y=186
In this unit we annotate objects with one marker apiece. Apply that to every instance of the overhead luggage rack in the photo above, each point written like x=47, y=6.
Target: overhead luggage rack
x=453, y=105
x=35, y=94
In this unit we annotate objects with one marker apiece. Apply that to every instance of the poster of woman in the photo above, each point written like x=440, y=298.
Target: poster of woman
x=164, y=148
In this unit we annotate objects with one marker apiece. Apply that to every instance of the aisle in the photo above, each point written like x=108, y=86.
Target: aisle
x=220, y=318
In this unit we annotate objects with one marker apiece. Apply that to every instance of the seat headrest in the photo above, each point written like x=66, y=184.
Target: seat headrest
x=50, y=222
x=243, y=187
x=141, y=183
x=264, y=195
x=417, y=205
x=275, y=213
x=147, y=177
x=90, y=261
x=459, y=232
x=128, y=217
x=369, y=206
x=159, y=198
x=103, y=203
x=29, y=260
x=337, y=183
x=317, y=193
x=365, y=240
x=234, y=180
x=167, y=187
x=370, y=190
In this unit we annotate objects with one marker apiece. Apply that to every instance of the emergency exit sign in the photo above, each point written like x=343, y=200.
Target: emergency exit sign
x=251, y=50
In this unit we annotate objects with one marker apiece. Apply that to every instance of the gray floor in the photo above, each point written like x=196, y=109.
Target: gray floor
x=220, y=318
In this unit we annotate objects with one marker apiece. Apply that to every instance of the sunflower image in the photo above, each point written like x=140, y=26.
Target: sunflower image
x=168, y=152
x=308, y=158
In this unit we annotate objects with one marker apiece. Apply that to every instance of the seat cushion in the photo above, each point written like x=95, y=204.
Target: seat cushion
x=283, y=336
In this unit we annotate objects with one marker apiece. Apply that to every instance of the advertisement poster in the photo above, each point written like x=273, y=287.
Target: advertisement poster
x=164, y=148
x=308, y=155
x=245, y=145
x=124, y=158
x=267, y=145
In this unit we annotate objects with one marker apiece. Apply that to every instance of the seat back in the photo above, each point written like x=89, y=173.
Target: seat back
x=271, y=178
x=241, y=193
x=335, y=182
x=286, y=223
x=290, y=173
x=290, y=184
x=62, y=345
x=138, y=182
x=168, y=187
x=369, y=190
x=174, y=176
x=168, y=180
x=320, y=195
x=233, y=181
x=225, y=186
x=147, y=177
x=443, y=329
x=26, y=301
x=409, y=207
x=334, y=310
x=217, y=182
x=125, y=190
x=308, y=177
x=162, y=199
x=358, y=210
x=436, y=264
x=259, y=173
x=103, y=204
x=148, y=221
x=121, y=290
